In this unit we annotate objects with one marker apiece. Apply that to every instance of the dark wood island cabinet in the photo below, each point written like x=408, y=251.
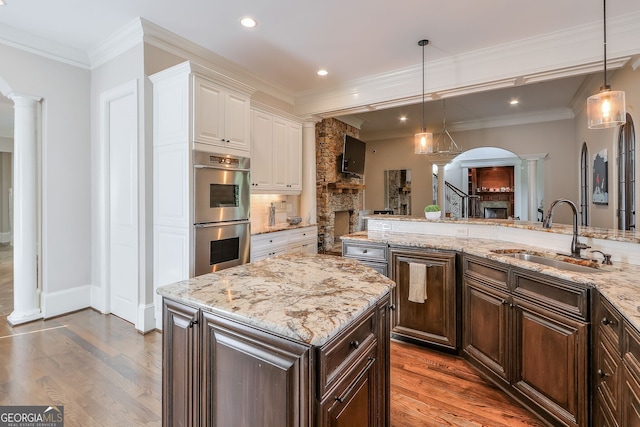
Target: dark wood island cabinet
x=296, y=340
x=530, y=334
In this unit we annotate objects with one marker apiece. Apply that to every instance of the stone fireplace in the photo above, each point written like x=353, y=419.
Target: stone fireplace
x=339, y=197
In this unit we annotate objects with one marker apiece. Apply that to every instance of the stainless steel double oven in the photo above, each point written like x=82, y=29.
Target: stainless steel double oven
x=221, y=211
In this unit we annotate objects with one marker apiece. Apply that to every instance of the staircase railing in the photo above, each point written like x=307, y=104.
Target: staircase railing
x=456, y=200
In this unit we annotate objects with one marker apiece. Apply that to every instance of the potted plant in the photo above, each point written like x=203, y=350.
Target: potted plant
x=432, y=212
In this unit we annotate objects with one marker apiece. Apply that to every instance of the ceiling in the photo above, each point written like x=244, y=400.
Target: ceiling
x=351, y=39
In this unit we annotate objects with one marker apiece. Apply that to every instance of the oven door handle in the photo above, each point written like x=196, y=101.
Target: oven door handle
x=221, y=168
x=221, y=224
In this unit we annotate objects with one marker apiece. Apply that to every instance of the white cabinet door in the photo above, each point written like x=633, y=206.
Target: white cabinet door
x=261, y=149
x=294, y=179
x=208, y=116
x=220, y=117
x=236, y=121
x=280, y=155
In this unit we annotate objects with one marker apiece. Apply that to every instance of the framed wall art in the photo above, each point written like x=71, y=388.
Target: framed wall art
x=600, y=178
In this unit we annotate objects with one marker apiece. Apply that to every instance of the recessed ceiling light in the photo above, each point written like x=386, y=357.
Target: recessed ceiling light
x=246, y=22
x=322, y=72
x=514, y=102
x=403, y=118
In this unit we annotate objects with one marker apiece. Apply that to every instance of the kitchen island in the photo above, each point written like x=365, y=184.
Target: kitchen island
x=295, y=340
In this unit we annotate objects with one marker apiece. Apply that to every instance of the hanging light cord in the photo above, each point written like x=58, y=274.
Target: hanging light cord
x=423, y=43
x=604, y=14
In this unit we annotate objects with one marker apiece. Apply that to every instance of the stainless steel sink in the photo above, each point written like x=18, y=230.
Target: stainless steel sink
x=552, y=262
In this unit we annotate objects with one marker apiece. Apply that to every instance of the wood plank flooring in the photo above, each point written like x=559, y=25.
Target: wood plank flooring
x=104, y=373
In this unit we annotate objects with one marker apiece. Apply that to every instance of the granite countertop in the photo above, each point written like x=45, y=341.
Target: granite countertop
x=589, y=232
x=305, y=297
x=278, y=227
x=617, y=283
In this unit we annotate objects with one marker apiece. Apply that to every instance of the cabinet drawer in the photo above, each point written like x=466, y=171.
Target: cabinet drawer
x=609, y=321
x=269, y=240
x=363, y=251
x=558, y=295
x=336, y=357
x=303, y=234
x=487, y=271
x=377, y=266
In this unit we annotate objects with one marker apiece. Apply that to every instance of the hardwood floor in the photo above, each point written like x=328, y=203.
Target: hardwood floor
x=104, y=373
x=429, y=388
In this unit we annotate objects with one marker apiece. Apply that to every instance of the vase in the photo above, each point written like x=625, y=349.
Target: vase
x=433, y=215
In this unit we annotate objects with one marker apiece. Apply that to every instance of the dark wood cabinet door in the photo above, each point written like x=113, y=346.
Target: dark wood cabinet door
x=180, y=367
x=253, y=378
x=433, y=321
x=630, y=400
x=550, y=363
x=355, y=403
x=486, y=328
x=607, y=373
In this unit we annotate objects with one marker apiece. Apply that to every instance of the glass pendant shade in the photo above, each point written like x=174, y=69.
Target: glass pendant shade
x=606, y=109
x=423, y=142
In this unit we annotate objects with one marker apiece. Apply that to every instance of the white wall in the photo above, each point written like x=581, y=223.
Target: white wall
x=598, y=139
x=66, y=208
x=556, y=138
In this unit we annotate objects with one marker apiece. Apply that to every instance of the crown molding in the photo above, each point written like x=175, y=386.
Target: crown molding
x=45, y=48
x=491, y=122
x=177, y=45
x=569, y=52
x=117, y=43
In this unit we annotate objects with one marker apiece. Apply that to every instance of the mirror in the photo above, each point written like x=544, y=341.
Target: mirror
x=397, y=192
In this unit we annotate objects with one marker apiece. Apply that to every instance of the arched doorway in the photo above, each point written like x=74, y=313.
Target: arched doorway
x=510, y=195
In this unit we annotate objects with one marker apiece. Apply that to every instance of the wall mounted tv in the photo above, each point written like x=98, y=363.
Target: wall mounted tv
x=353, y=154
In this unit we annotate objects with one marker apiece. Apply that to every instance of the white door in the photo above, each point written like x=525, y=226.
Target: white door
x=122, y=143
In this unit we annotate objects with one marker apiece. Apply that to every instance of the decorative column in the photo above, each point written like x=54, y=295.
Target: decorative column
x=532, y=184
x=308, y=195
x=26, y=301
x=441, y=180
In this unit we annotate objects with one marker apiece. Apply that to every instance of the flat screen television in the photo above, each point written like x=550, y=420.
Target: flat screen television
x=353, y=154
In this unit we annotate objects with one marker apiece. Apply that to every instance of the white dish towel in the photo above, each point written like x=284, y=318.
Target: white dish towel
x=417, y=282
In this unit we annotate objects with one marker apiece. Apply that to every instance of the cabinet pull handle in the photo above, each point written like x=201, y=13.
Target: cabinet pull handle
x=504, y=301
x=512, y=305
x=364, y=251
x=602, y=374
x=348, y=391
x=606, y=322
x=193, y=322
x=355, y=344
x=392, y=307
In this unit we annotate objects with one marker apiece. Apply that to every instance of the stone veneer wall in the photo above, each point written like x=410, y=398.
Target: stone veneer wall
x=329, y=142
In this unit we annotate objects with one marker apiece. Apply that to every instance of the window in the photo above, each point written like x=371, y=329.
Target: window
x=627, y=176
x=584, y=185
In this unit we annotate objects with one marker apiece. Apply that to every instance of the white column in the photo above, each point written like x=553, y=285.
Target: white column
x=532, y=188
x=308, y=195
x=532, y=184
x=26, y=301
x=441, y=181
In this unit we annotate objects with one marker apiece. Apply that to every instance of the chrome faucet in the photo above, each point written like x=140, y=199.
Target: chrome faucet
x=576, y=246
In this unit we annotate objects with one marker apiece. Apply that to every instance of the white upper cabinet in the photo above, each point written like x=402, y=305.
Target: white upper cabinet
x=261, y=147
x=276, y=144
x=221, y=116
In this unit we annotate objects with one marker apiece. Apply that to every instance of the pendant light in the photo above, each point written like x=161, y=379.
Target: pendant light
x=607, y=108
x=423, y=140
x=445, y=145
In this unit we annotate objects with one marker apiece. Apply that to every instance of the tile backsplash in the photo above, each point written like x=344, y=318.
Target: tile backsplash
x=285, y=206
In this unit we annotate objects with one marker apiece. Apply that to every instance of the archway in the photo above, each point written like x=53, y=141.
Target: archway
x=514, y=194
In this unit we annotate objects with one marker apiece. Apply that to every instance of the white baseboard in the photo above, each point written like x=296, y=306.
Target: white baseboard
x=97, y=299
x=146, y=318
x=62, y=302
